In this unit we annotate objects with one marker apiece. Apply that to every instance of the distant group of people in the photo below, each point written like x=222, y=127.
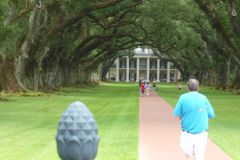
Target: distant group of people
x=145, y=87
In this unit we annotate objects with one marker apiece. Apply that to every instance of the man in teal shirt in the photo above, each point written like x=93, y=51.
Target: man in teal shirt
x=194, y=110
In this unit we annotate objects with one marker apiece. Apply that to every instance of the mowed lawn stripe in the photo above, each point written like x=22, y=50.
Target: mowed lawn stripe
x=28, y=124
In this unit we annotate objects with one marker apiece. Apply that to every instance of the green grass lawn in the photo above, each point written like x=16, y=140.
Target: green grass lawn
x=28, y=124
x=225, y=128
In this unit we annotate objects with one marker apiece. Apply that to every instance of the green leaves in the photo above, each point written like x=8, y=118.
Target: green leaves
x=3, y=9
x=8, y=37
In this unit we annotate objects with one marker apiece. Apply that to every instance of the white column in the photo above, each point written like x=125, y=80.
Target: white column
x=178, y=75
x=108, y=75
x=148, y=67
x=168, y=71
x=137, y=71
x=175, y=75
x=127, y=70
x=158, y=69
x=117, y=69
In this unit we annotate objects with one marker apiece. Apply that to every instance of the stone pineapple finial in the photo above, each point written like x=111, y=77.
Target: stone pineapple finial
x=77, y=135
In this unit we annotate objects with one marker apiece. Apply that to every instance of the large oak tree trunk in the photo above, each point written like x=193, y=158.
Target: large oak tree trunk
x=226, y=73
x=37, y=79
x=20, y=73
x=8, y=77
x=105, y=69
x=66, y=72
x=51, y=74
x=236, y=81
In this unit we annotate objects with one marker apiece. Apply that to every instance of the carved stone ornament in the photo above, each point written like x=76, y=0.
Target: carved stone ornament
x=77, y=135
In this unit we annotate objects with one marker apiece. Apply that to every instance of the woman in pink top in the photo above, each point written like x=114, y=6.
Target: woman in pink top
x=142, y=88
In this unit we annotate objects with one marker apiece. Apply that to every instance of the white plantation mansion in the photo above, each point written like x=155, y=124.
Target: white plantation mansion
x=144, y=65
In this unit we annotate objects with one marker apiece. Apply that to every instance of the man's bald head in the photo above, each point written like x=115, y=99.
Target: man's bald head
x=193, y=85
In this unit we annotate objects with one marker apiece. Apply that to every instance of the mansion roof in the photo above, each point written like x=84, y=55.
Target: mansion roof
x=143, y=52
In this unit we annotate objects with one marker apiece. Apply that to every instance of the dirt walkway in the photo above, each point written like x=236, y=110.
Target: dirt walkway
x=159, y=133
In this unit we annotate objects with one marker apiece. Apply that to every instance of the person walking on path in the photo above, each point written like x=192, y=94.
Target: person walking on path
x=155, y=87
x=142, y=88
x=194, y=110
x=148, y=88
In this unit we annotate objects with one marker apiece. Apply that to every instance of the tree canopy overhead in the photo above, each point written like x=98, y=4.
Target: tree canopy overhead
x=48, y=43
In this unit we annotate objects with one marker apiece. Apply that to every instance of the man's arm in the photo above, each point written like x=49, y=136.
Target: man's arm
x=210, y=110
x=177, y=111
